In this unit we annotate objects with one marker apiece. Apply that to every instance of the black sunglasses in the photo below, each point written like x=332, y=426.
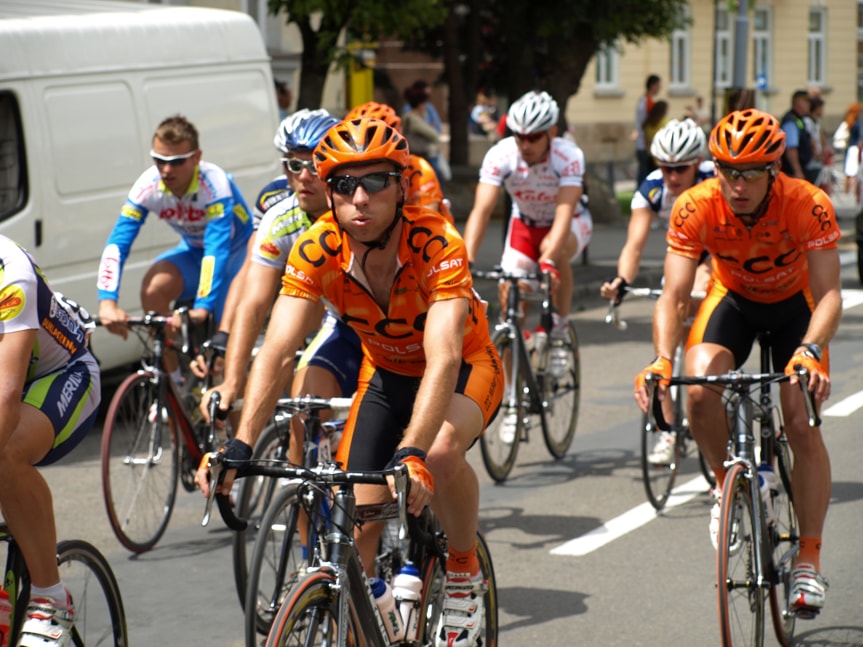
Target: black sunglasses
x=296, y=166
x=749, y=175
x=173, y=160
x=680, y=168
x=372, y=183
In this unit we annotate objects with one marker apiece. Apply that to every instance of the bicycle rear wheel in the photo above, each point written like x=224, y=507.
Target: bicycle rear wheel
x=741, y=597
x=139, y=463
x=277, y=563
x=659, y=478
x=99, y=615
x=785, y=542
x=254, y=494
x=499, y=441
x=433, y=593
x=561, y=392
x=309, y=616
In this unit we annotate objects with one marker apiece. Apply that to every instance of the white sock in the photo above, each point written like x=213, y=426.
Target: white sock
x=57, y=593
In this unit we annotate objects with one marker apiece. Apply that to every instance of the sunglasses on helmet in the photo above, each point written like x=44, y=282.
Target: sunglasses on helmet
x=372, y=183
x=296, y=166
x=171, y=160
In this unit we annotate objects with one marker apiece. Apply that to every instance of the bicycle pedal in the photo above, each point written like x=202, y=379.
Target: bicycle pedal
x=805, y=613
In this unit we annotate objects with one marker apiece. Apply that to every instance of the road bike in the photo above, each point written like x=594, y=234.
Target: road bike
x=278, y=554
x=542, y=377
x=99, y=615
x=332, y=602
x=756, y=548
x=659, y=478
x=154, y=436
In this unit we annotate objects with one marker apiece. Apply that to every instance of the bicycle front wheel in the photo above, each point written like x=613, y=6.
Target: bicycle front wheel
x=309, y=616
x=785, y=540
x=659, y=477
x=741, y=597
x=561, y=392
x=99, y=615
x=139, y=463
x=499, y=441
x=276, y=564
x=254, y=495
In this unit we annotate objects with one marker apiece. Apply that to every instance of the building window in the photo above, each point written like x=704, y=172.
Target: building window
x=723, y=47
x=761, y=44
x=817, y=45
x=607, y=68
x=679, y=75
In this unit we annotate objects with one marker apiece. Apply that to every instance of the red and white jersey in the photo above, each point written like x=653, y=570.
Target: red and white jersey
x=533, y=189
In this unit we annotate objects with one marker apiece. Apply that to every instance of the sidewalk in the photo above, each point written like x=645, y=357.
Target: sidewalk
x=604, y=249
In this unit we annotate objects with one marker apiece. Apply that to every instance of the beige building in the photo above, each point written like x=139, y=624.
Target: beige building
x=791, y=44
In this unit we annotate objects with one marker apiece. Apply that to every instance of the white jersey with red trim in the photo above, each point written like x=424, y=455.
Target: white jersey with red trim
x=533, y=188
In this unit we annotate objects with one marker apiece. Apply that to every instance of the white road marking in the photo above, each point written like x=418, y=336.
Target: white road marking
x=629, y=521
x=851, y=298
x=845, y=407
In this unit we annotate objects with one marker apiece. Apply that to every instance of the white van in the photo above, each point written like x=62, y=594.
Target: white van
x=83, y=85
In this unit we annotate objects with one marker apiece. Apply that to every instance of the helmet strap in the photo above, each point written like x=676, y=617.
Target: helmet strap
x=383, y=239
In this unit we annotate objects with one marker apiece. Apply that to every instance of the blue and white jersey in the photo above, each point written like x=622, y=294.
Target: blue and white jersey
x=270, y=195
x=533, y=188
x=212, y=216
x=654, y=195
x=27, y=302
x=281, y=225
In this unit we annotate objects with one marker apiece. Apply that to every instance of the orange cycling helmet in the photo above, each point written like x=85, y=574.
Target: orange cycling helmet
x=376, y=110
x=747, y=137
x=360, y=141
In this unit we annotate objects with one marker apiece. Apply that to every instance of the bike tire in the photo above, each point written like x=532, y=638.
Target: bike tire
x=139, y=463
x=310, y=614
x=100, y=618
x=741, y=599
x=254, y=494
x=561, y=394
x=659, y=479
x=433, y=592
x=785, y=545
x=276, y=564
x=499, y=453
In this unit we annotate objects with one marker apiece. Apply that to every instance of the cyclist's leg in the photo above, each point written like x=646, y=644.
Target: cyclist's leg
x=44, y=434
x=581, y=230
x=172, y=277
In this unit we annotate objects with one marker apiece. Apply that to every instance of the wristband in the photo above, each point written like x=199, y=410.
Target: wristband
x=621, y=289
x=219, y=341
x=404, y=452
x=550, y=267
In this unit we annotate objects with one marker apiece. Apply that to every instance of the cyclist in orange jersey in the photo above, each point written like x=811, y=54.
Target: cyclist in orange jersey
x=773, y=241
x=430, y=379
x=424, y=187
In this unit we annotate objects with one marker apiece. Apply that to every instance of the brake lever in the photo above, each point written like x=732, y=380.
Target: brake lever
x=400, y=476
x=613, y=316
x=808, y=396
x=214, y=464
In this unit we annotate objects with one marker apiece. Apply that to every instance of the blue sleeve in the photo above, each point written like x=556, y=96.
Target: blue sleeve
x=792, y=134
x=117, y=249
x=217, y=251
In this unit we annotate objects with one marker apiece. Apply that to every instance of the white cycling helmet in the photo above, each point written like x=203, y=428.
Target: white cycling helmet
x=534, y=112
x=678, y=142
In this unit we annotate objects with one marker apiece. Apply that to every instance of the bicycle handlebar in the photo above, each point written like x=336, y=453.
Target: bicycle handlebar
x=733, y=379
x=153, y=320
x=613, y=317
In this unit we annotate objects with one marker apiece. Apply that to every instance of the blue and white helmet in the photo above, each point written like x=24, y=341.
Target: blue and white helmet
x=534, y=112
x=301, y=131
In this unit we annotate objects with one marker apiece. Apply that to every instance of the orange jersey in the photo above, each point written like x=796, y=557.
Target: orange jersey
x=432, y=264
x=424, y=187
x=766, y=263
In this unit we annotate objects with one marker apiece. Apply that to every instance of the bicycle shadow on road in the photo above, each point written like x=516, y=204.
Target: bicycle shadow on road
x=846, y=492
x=830, y=637
x=536, y=531
x=531, y=606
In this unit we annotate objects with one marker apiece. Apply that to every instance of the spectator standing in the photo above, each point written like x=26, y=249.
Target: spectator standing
x=656, y=118
x=421, y=126
x=284, y=98
x=642, y=108
x=818, y=169
x=699, y=114
x=798, y=141
x=852, y=145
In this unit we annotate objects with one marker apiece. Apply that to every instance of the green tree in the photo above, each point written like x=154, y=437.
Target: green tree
x=322, y=22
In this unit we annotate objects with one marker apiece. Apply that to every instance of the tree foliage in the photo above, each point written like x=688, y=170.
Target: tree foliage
x=321, y=24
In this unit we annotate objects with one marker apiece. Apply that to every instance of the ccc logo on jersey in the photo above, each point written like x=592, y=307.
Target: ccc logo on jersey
x=11, y=302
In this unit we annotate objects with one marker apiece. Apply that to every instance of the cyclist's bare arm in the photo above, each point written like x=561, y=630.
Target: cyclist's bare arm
x=824, y=281
x=113, y=317
x=255, y=298
x=15, y=349
x=484, y=204
x=670, y=312
x=629, y=260
x=442, y=343
x=556, y=245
